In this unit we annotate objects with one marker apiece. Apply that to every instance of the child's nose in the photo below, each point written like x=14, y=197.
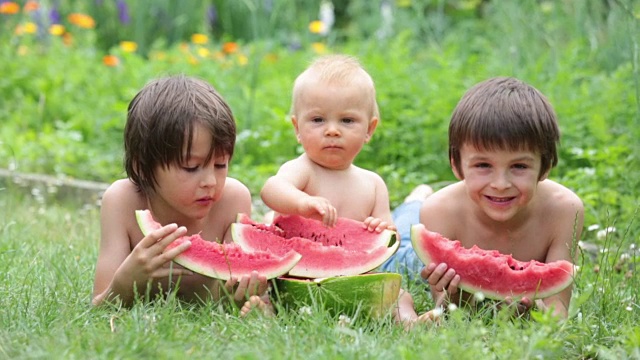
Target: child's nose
x=501, y=181
x=209, y=177
x=332, y=130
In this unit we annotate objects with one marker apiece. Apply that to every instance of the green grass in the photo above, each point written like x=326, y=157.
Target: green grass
x=582, y=54
x=47, y=258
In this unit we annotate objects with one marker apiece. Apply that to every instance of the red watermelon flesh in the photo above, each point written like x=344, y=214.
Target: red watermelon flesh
x=222, y=261
x=347, y=234
x=494, y=274
x=318, y=260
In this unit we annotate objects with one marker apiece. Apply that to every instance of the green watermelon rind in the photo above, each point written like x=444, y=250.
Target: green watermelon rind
x=352, y=262
x=375, y=294
x=278, y=264
x=419, y=240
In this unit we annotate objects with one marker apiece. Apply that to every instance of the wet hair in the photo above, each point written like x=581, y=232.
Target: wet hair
x=160, y=124
x=336, y=70
x=505, y=113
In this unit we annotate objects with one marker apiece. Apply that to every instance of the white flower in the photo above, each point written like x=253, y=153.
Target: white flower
x=344, y=320
x=479, y=296
x=305, y=310
x=604, y=232
x=327, y=16
x=452, y=307
x=593, y=227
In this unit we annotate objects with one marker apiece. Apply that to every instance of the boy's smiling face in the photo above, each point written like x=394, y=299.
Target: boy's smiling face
x=501, y=183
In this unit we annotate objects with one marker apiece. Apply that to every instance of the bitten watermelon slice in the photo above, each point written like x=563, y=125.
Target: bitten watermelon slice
x=222, y=261
x=346, y=249
x=494, y=274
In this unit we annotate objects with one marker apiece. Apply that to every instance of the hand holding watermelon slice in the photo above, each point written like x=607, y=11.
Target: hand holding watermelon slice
x=494, y=275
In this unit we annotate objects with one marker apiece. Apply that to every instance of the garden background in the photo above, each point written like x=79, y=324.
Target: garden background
x=69, y=69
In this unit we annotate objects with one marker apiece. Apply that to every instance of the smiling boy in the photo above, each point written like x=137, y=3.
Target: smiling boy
x=502, y=145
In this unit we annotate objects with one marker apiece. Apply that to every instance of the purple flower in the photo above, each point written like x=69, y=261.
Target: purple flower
x=123, y=12
x=54, y=15
x=212, y=16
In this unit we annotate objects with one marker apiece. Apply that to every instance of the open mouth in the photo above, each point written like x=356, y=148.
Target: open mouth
x=495, y=199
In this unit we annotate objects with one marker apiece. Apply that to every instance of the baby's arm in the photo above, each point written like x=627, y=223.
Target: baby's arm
x=380, y=218
x=119, y=270
x=284, y=193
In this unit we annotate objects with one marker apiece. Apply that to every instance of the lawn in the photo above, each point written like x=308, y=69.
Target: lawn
x=63, y=101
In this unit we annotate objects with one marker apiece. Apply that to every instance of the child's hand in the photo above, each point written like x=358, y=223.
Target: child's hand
x=377, y=225
x=443, y=281
x=247, y=286
x=148, y=258
x=316, y=207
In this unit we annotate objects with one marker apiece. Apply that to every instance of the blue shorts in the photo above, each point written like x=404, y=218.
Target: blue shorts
x=405, y=261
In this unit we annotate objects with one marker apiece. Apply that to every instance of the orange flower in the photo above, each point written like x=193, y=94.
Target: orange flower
x=111, y=60
x=128, y=46
x=9, y=8
x=56, y=30
x=230, y=47
x=316, y=27
x=199, y=39
x=67, y=38
x=82, y=20
x=30, y=6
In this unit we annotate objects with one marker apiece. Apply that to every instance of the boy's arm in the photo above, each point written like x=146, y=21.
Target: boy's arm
x=569, y=229
x=284, y=193
x=117, y=267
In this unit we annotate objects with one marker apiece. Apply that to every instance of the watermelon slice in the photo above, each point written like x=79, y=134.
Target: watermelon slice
x=222, y=261
x=494, y=274
x=347, y=234
x=346, y=249
x=375, y=293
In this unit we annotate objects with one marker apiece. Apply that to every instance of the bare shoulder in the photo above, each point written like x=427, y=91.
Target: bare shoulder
x=372, y=175
x=301, y=164
x=123, y=194
x=559, y=199
x=442, y=209
x=235, y=188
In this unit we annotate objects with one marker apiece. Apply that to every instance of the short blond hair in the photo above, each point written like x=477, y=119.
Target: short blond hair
x=337, y=70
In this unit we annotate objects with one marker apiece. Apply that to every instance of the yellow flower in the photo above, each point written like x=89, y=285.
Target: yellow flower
x=243, y=60
x=56, y=29
x=128, y=46
x=82, y=20
x=203, y=52
x=403, y=3
x=230, y=47
x=111, y=60
x=319, y=47
x=316, y=27
x=9, y=8
x=199, y=39
x=26, y=28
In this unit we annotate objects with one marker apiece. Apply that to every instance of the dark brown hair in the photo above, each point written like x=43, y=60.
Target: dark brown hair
x=160, y=125
x=504, y=113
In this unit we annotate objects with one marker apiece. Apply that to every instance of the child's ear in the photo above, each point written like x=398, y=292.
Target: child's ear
x=294, y=122
x=459, y=175
x=372, y=128
x=544, y=175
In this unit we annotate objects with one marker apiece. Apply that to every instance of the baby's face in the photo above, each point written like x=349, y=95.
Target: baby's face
x=333, y=122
